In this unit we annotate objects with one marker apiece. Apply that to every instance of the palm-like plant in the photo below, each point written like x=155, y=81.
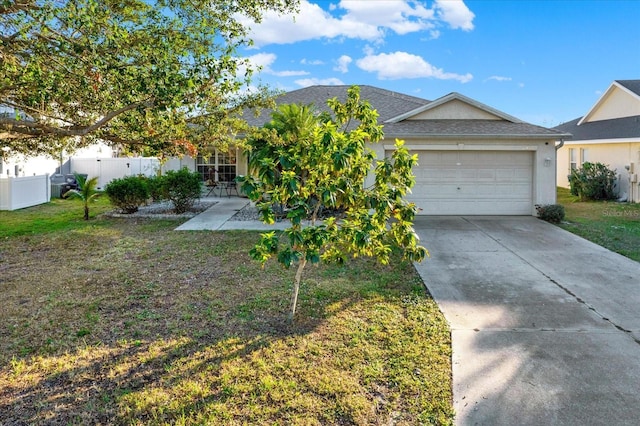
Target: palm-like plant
x=87, y=192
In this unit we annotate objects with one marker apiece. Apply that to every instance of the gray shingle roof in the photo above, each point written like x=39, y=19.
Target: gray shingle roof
x=388, y=103
x=617, y=128
x=633, y=85
x=392, y=104
x=468, y=128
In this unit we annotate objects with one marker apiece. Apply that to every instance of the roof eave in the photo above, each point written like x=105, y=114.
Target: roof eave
x=478, y=136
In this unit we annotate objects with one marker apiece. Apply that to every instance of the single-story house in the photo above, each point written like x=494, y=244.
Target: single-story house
x=473, y=159
x=609, y=133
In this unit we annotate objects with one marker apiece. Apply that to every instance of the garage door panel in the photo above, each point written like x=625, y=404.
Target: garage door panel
x=437, y=175
x=473, y=182
x=488, y=175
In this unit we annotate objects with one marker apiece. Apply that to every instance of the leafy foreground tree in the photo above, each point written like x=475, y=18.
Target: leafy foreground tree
x=318, y=165
x=87, y=192
x=155, y=75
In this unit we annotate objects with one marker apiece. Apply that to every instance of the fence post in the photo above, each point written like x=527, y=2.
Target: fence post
x=47, y=182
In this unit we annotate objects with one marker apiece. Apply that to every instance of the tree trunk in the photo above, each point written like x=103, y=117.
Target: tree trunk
x=86, y=212
x=296, y=288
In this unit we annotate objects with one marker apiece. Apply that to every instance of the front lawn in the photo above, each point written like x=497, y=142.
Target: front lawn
x=613, y=225
x=56, y=216
x=125, y=321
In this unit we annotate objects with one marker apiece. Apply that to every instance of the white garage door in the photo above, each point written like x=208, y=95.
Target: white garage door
x=473, y=183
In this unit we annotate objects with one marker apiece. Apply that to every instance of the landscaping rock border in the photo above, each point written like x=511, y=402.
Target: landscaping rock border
x=163, y=210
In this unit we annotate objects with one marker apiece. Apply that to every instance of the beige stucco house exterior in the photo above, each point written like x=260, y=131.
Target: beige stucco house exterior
x=608, y=133
x=473, y=159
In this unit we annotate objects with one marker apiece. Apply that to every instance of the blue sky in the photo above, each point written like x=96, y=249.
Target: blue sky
x=545, y=62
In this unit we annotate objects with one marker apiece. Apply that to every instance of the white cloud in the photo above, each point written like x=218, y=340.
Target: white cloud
x=455, y=13
x=368, y=50
x=498, y=78
x=398, y=65
x=306, y=82
x=264, y=61
x=357, y=19
x=287, y=73
x=311, y=23
x=304, y=61
x=343, y=64
x=400, y=16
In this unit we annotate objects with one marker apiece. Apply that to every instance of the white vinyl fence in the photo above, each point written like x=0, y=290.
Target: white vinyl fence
x=20, y=192
x=108, y=169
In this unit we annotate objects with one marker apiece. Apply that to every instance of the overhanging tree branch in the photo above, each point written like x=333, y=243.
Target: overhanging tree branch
x=32, y=128
x=130, y=72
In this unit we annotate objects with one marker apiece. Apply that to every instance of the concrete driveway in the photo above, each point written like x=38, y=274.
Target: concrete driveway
x=545, y=325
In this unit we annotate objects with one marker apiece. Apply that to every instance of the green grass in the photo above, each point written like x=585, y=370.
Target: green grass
x=613, y=225
x=56, y=216
x=125, y=321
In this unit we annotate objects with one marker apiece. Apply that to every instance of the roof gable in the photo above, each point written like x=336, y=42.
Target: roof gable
x=405, y=116
x=622, y=99
x=454, y=106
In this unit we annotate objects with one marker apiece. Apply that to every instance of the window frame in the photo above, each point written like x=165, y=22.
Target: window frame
x=573, y=159
x=219, y=166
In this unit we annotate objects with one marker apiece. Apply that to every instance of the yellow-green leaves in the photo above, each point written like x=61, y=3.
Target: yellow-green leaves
x=312, y=171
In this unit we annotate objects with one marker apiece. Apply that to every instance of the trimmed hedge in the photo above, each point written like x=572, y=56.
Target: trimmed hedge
x=183, y=188
x=553, y=213
x=127, y=193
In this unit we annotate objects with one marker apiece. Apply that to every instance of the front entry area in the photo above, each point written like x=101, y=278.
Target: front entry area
x=473, y=182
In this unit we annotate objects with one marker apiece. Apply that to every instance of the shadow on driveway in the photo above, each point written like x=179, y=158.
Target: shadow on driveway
x=545, y=325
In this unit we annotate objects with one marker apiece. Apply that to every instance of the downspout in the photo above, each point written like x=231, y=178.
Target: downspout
x=555, y=172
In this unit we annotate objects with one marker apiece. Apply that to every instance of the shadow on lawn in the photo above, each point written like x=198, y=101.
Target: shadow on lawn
x=186, y=370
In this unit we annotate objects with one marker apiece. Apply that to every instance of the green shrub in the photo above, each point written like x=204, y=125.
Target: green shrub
x=157, y=188
x=182, y=188
x=127, y=193
x=593, y=181
x=553, y=213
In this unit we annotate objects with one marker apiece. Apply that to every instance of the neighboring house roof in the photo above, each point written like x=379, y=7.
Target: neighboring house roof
x=617, y=128
x=621, y=101
x=628, y=88
x=401, y=114
x=632, y=85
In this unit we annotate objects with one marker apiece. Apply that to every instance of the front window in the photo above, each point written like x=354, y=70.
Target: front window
x=584, y=155
x=573, y=161
x=218, y=167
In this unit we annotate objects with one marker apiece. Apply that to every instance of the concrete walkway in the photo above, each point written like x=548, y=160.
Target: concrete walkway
x=216, y=218
x=545, y=325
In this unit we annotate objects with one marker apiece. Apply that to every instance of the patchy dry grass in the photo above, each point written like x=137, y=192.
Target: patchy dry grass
x=121, y=321
x=613, y=225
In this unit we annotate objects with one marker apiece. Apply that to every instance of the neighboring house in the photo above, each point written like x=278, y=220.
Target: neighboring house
x=608, y=133
x=473, y=159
